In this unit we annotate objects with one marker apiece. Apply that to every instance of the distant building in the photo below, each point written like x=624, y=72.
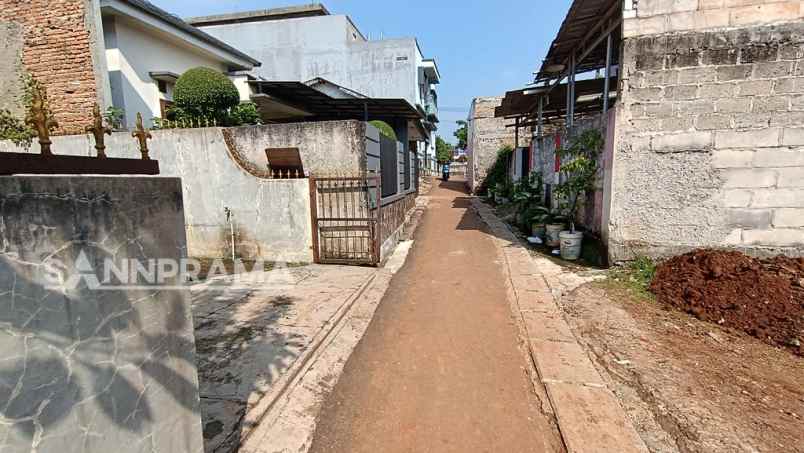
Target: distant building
x=147, y=49
x=302, y=43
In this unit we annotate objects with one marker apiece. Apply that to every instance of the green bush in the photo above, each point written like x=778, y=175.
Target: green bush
x=245, y=114
x=497, y=176
x=205, y=93
x=384, y=128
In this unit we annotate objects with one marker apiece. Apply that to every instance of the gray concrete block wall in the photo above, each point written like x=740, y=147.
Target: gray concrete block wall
x=710, y=142
x=93, y=371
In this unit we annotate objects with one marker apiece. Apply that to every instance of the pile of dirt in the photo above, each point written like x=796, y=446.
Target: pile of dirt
x=764, y=298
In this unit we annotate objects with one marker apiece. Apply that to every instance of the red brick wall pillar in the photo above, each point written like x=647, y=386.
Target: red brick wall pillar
x=58, y=52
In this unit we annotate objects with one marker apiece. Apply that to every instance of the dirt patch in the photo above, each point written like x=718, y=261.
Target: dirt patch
x=763, y=298
x=689, y=385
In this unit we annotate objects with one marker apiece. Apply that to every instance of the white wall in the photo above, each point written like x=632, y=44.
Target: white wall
x=135, y=52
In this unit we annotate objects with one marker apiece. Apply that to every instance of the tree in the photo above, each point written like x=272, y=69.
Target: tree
x=444, y=151
x=384, y=128
x=461, y=134
x=205, y=93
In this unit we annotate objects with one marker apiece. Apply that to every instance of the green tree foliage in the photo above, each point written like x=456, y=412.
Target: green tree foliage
x=204, y=93
x=461, y=134
x=385, y=129
x=497, y=178
x=579, y=169
x=16, y=129
x=444, y=151
x=245, y=113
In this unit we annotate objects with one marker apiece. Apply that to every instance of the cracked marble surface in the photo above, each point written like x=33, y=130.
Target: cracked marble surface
x=84, y=370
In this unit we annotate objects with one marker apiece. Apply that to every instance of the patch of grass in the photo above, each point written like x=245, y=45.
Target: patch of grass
x=635, y=277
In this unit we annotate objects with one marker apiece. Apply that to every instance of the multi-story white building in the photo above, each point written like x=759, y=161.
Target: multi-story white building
x=306, y=42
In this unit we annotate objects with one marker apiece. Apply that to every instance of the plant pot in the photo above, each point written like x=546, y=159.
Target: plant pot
x=538, y=230
x=552, y=230
x=571, y=245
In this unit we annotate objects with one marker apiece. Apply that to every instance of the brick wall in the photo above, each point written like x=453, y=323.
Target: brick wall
x=57, y=49
x=710, y=141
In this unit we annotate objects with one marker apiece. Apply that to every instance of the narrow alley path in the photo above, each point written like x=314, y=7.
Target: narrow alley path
x=439, y=369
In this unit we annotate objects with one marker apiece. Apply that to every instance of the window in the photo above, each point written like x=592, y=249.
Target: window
x=164, y=106
x=162, y=86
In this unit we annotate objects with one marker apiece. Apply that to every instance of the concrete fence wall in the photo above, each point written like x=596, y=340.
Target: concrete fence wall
x=93, y=371
x=486, y=135
x=219, y=169
x=710, y=139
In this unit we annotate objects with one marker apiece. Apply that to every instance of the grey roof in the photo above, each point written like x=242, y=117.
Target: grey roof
x=153, y=10
x=287, y=12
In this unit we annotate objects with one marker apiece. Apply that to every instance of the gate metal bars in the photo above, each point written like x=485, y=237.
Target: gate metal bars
x=345, y=215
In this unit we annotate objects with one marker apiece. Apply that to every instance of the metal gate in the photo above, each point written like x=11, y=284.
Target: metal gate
x=345, y=214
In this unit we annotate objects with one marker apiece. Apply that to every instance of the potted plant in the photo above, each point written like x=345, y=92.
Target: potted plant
x=527, y=195
x=579, y=175
x=554, y=224
x=537, y=217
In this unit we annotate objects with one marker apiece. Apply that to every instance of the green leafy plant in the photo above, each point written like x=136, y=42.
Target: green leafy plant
x=245, y=113
x=204, y=93
x=13, y=128
x=498, y=173
x=444, y=151
x=527, y=194
x=114, y=117
x=579, y=170
x=384, y=128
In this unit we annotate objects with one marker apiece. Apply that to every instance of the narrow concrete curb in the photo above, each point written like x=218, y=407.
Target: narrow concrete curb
x=588, y=414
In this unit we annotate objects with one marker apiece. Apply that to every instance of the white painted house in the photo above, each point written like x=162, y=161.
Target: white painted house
x=147, y=49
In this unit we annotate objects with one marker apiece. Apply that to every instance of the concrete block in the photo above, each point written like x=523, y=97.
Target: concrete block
x=736, y=198
x=747, y=139
x=793, y=136
x=732, y=158
x=717, y=90
x=696, y=75
x=719, y=57
x=661, y=78
x=547, y=325
x=797, y=103
x=710, y=122
x=778, y=198
x=688, y=141
x=759, y=53
x=710, y=4
x=777, y=237
x=764, y=13
x=773, y=70
x=679, y=123
x=790, y=51
x=767, y=104
x=646, y=62
x=789, y=85
x=733, y=105
x=681, y=92
x=749, y=218
x=794, y=119
x=754, y=88
x=646, y=94
x=736, y=72
x=643, y=26
x=694, y=107
x=779, y=157
x=751, y=120
x=749, y=178
x=656, y=7
x=591, y=420
x=788, y=217
x=791, y=177
x=659, y=110
x=684, y=59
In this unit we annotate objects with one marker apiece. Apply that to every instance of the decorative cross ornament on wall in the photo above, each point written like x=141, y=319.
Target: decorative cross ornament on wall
x=142, y=135
x=97, y=130
x=39, y=118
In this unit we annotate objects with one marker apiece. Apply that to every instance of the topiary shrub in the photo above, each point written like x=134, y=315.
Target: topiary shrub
x=205, y=93
x=385, y=129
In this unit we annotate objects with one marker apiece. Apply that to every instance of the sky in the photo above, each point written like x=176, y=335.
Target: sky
x=482, y=48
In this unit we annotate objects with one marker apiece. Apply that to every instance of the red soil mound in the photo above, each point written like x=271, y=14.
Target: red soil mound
x=763, y=298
